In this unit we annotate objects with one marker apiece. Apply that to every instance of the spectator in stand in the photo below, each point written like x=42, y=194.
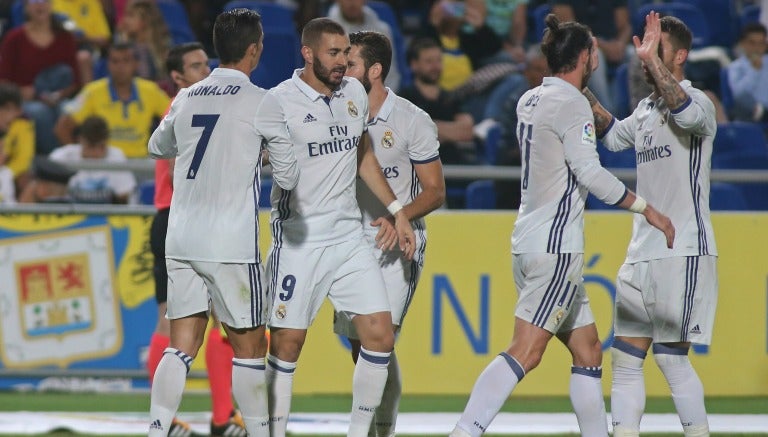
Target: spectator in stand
x=131, y=105
x=453, y=125
x=48, y=184
x=18, y=134
x=509, y=20
x=7, y=187
x=355, y=16
x=96, y=186
x=610, y=23
x=748, y=75
x=144, y=26
x=41, y=58
x=88, y=22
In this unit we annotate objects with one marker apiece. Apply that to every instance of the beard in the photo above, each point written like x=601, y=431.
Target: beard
x=324, y=74
x=366, y=83
x=428, y=78
x=587, y=74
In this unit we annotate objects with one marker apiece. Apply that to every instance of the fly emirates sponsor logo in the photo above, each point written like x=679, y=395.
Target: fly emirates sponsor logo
x=651, y=152
x=340, y=141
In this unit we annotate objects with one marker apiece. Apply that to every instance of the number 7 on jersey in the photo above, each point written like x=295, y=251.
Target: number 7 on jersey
x=207, y=122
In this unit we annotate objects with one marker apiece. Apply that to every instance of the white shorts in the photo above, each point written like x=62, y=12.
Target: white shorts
x=669, y=300
x=551, y=292
x=301, y=278
x=236, y=291
x=401, y=277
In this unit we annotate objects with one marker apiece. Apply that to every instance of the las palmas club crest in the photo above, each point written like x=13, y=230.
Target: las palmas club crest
x=61, y=305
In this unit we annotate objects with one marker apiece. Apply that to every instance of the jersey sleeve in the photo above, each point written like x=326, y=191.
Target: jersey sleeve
x=697, y=114
x=620, y=134
x=425, y=147
x=580, y=147
x=271, y=124
x=162, y=143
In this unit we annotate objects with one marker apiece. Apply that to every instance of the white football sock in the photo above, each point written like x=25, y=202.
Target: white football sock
x=627, y=389
x=167, y=388
x=367, y=387
x=279, y=376
x=587, y=399
x=491, y=390
x=686, y=387
x=249, y=387
x=386, y=415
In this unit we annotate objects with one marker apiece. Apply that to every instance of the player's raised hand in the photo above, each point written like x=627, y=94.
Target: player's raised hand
x=387, y=237
x=649, y=47
x=405, y=236
x=662, y=223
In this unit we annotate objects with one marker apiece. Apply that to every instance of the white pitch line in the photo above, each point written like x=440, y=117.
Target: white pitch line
x=25, y=422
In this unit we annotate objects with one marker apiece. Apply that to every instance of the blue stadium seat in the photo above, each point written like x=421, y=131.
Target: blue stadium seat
x=491, y=145
x=726, y=95
x=536, y=22
x=726, y=197
x=282, y=54
x=481, y=195
x=621, y=88
x=749, y=14
x=147, y=192
x=722, y=20
x=386, y=14
x=690, y=14
x=740, y=138
x=177, y=21
x=17, y=13
x=266, y=189
x=273, y=15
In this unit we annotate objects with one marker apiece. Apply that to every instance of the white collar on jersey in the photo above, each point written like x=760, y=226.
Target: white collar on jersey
x=311, y=92
x=229, y=72
x=386, y=108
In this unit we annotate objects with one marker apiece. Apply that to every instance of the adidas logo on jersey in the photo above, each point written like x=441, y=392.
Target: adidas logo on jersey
x=309, y=118
x=696, y=330
x=156, y=425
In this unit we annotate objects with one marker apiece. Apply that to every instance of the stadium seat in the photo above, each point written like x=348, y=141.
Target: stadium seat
x=595, y=204
x=264, y=193
x=386, y=14
x=740, y=138
x=726, y=95
x=282, y=54
x=177, y=21
x=481, y=195
x=749, y=14
x=536, y=21
x=726, y=197
x=688, y=13
x=722, y=20
x=491, y=145
x=273, y=15
x=147, y=192
x=621, y=94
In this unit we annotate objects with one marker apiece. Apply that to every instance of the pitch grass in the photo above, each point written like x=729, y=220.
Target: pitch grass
x=192, y=402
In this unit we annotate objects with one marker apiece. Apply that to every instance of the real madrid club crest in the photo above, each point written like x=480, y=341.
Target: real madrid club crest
x=351, y=108
x=387, y=141
x=281, y=311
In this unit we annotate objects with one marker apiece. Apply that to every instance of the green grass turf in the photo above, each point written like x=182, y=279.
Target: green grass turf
x=193, y=402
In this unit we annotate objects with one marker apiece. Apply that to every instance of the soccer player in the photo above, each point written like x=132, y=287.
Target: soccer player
x=560, y=164
x=404, y=139
x=212, y=247
x=665, y=297
x=319, y=248
x=187, y=64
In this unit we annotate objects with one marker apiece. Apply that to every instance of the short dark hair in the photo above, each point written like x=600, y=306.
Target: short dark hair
x=563, y=43
x=122, y=46
x=418, y=45
x=750, y=28
x=175, y=59
x=234, y=31
x=10, y=93
x=315, y=28
x=374, y=48
x=679, y=34
x=94, y=129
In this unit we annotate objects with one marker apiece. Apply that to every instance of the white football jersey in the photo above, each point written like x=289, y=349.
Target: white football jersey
x=213, y=132
x=560, y=163
x=674, y=156
x=322, y=210
x=402, y=136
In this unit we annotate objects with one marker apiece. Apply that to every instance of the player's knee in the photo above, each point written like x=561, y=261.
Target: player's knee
x=285, y=345
x=590, y=354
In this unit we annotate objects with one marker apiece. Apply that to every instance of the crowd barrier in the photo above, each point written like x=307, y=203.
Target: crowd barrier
x=77, y=306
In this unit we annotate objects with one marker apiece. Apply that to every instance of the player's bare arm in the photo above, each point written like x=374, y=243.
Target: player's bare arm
x=656, y=219
x=648, y=51
x=602, y=116
x=432, y=194
x=369, y=171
